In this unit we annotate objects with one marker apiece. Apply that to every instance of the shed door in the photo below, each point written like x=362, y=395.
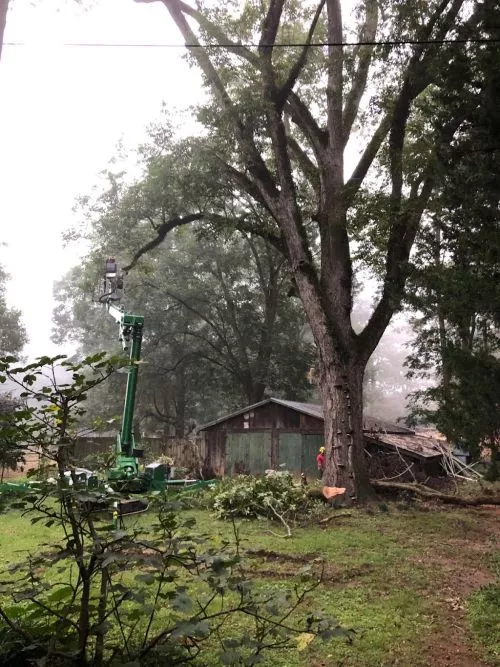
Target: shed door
x=311, y=444
x=290, y=452
x=248, y=453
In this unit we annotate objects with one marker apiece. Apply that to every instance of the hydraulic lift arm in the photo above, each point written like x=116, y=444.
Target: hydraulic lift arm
x=130, y=334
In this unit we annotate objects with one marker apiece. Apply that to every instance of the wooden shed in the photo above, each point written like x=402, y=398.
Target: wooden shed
x=277, y=432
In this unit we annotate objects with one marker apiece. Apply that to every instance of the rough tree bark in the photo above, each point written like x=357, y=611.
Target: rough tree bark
x=269, y=177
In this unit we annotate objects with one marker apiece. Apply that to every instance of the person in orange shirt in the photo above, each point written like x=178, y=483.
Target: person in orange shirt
x=320, y=462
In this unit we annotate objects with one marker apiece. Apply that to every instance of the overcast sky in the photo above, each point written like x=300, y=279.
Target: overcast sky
x=62, y=111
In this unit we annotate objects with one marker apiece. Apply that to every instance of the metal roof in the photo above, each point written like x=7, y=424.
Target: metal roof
x=370, y=424
x=241, y=411
x=415, y=445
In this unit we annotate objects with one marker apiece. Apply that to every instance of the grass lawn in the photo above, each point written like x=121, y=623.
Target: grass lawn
x=420, y=586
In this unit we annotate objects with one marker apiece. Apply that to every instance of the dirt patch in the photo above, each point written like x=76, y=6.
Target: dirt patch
x=452, y=644
x=281, y=557
x=454, y=576
x=455, y=652
x=459, y=566
x=289, y=566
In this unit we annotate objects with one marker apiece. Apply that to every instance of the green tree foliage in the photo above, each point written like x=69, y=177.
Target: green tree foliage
x=220, y=330
x=12, y=332
x=455, y=284
x=12, y=340
x=11, y=450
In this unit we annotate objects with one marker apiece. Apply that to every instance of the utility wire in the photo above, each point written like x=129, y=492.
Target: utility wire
x=232, y=45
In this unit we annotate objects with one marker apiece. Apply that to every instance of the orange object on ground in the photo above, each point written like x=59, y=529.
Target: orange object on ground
x=332, y=491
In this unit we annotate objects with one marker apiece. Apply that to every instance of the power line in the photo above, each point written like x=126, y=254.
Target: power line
x=232, y=45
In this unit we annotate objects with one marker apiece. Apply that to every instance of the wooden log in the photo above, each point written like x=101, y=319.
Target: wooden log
x=431, y=494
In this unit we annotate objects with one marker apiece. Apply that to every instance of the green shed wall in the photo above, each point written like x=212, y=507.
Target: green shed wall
x=248, y=453
x=255, y=452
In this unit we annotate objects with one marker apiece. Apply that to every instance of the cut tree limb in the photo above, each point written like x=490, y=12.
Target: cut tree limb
x=334, y=516
x=426, y=492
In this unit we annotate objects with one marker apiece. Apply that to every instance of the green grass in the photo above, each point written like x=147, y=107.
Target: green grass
x=483, y=610
x=18, y=536
x=383, y=576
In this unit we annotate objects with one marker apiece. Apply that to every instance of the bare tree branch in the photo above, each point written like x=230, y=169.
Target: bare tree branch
x=417, y=78
x=242, y=224
x=367, y=34
x=270, y=28
x=257, y=166
x=354, y=183
x=334, y=100
x=402, y=235
x=304, y=120
x=162, y=231
x=309, y=169
x=246, y=184
x=284, y=91
x=214, y=31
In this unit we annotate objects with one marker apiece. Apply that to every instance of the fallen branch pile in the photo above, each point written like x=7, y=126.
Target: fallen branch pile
x=431, y=494
x=454, y=467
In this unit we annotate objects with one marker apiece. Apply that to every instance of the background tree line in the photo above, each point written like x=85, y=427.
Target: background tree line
x=220, y=329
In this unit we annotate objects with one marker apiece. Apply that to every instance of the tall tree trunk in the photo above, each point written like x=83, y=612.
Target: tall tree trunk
x=258, y=391
x=84, y=619
x=101, y=617
x=180, y=401
x=341, y=389
x=327, y=298
x=4, y=6
x=342, y=364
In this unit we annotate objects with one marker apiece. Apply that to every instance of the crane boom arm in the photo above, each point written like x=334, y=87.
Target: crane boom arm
x=130, y=334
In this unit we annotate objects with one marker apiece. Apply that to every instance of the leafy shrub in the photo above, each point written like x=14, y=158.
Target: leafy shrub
x=267, y=496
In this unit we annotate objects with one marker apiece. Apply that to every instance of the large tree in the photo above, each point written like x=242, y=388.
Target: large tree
x=280, y=120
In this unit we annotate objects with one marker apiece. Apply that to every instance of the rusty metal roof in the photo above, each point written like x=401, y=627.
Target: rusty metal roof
x=416, y=445
x=370, y=424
